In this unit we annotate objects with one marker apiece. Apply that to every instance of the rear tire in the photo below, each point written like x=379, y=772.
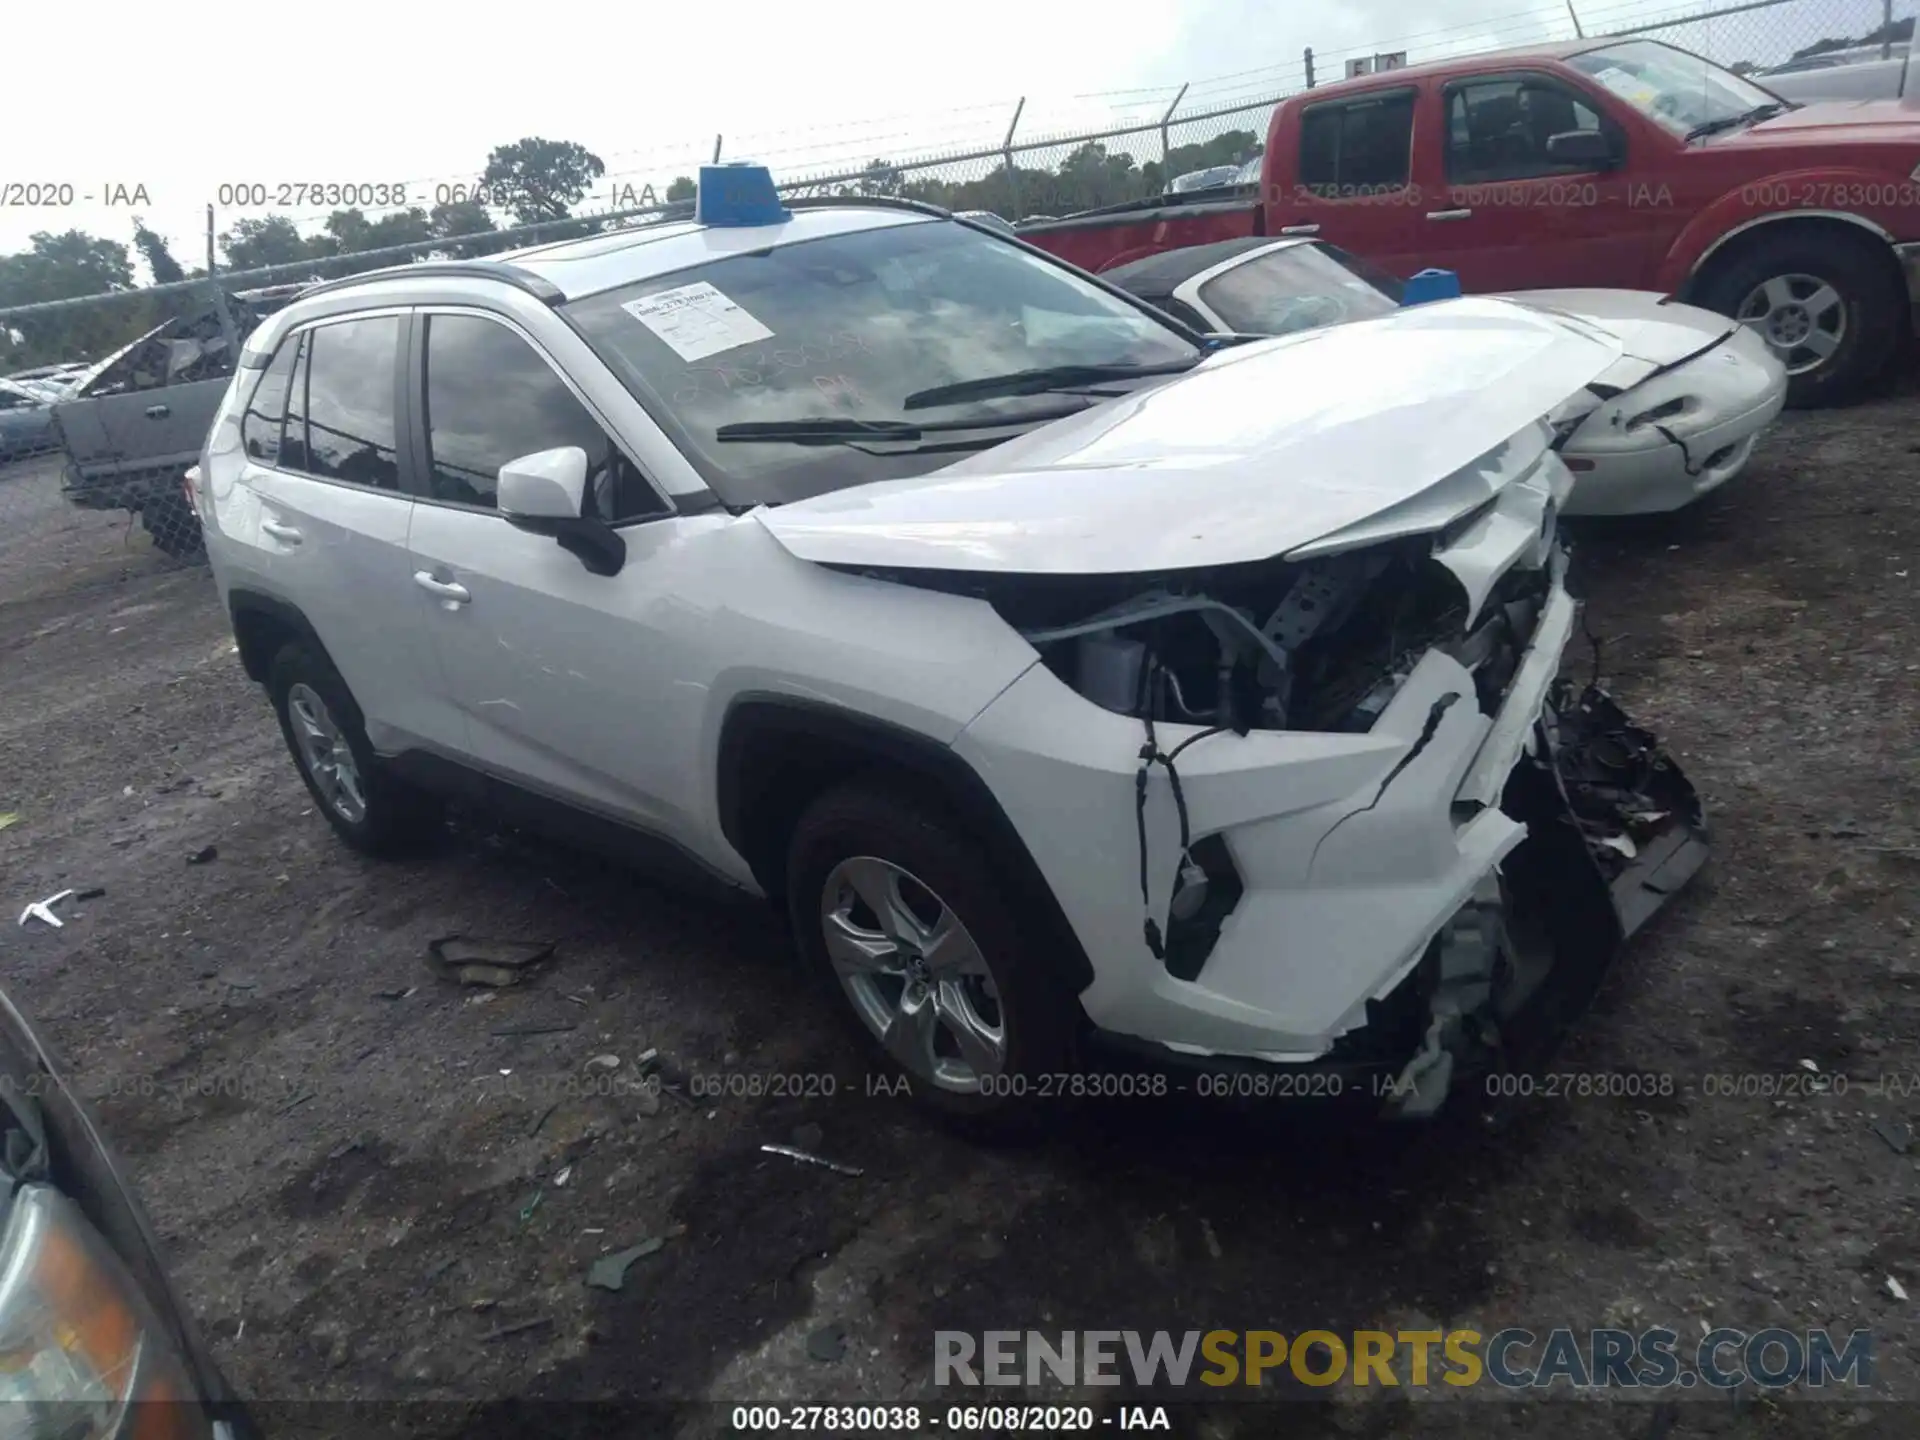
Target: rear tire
x=175, y=527
x=372, y=809
x=975, y=1020
x=1784, y=287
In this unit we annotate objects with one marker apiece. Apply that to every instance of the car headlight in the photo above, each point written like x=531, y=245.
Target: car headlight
x=1660, y=412
x=81, y=1356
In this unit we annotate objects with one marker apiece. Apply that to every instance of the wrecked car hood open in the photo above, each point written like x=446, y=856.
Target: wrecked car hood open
x=1259, y=451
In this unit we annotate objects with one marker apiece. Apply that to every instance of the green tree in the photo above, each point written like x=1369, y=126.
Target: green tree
x=1229, y=147
x=541, y=179
x=1091, y=176
x=457, y=220
x=682, y=188
x=63, y=267
x=58, y=267
x=881, y=177
x=165, y=269
x=270, y=240
x=349, y=232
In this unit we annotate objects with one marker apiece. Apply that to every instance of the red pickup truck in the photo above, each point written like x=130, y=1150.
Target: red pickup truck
x=1623, y=163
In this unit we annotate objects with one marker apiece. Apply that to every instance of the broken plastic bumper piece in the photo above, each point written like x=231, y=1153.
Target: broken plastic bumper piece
x=1614, y=831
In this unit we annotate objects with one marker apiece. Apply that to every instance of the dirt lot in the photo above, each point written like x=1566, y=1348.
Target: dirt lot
x=359, y=1176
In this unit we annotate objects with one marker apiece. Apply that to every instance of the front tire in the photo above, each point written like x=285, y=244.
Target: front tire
x=370, y=808
x=899, y=916
x=1827, y=303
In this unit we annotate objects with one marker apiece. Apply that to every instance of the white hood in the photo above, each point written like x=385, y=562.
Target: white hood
x=1651, y=328
x=1260, y=450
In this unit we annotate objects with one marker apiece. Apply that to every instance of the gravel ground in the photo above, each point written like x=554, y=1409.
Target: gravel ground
x=370, y=1190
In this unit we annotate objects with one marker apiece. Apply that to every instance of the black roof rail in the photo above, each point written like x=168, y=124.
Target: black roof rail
x=545, y=291
x=884, y=202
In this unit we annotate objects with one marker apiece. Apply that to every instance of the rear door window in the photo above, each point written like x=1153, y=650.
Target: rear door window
x=1356, y=148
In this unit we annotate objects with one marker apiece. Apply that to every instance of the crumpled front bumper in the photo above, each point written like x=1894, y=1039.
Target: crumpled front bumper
x=1401, y=894
x=1729, y=395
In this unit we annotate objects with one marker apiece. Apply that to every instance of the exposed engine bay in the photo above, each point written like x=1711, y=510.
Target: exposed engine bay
x=1324, y=645
x=1613, y=828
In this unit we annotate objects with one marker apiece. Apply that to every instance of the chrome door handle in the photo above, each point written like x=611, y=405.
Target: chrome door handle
x=445, y=590
x=1448, y=214
x=282, y=532
x=1299, y=229
x=158, y=412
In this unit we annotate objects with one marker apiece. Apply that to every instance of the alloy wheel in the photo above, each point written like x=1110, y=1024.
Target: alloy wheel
x=914, y=974
x=1802, y=318
x=325, y=754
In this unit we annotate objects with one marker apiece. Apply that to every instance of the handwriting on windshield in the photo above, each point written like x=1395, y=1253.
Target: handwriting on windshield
x=781, y=365
x=841, y=390
x=767, y=366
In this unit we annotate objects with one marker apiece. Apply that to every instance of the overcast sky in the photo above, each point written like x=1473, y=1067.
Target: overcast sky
x=182, y=99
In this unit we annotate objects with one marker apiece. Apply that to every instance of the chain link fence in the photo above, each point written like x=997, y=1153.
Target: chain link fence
x=95, y=474
x=1762, y=37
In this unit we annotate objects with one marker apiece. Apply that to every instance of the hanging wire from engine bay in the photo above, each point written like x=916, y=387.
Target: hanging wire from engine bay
x=1150, y=755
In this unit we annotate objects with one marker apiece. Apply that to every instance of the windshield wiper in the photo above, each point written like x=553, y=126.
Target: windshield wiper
x=1734, y=122
x=1036, y=382
x=836, y=430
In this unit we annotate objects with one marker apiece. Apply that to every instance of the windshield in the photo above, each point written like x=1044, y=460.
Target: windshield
x=848, y=328
x=1299, y=288
x=1679, y=91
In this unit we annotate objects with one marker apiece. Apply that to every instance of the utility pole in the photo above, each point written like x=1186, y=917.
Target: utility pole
x=1886, y=29
x=1309, y=67
x=716, y=149
x=1582, y=34
x=209, y=239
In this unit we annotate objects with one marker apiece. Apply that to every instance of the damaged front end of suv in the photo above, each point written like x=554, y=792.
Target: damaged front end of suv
x=1325, y=807
x=1581, y=823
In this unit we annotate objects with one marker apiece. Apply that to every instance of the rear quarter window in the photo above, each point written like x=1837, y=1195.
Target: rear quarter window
x=266, y=413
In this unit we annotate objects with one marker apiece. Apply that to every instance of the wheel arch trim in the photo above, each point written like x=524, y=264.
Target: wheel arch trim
x=1847, y=217
x=243, y=602
x=755, y=717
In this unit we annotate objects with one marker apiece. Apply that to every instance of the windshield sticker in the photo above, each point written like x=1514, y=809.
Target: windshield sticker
x=1630, y=88
x=697, y=320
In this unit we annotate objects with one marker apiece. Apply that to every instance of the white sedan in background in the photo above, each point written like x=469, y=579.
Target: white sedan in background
x=1676, y=417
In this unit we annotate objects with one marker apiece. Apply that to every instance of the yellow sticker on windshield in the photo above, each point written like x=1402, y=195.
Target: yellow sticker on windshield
x=1630, y=88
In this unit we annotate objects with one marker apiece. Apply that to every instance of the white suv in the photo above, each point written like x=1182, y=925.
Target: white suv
x=1068, y=677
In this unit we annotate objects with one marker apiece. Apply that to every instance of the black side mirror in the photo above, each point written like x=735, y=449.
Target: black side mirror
x=1589, y=148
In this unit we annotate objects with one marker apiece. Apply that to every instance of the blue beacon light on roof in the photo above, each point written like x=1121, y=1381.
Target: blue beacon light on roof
x=738, y=194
